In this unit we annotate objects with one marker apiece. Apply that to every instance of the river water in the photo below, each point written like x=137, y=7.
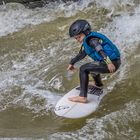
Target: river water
x=35, y=50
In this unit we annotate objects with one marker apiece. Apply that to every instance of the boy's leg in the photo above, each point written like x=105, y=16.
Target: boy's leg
x=85, y=70
x=97, y=79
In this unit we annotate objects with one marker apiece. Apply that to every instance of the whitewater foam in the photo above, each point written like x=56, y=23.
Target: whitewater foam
x=14, y=17
x=123, y=30
x=24, y=85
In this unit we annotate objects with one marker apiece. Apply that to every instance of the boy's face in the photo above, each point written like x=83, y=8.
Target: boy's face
x=80, y=37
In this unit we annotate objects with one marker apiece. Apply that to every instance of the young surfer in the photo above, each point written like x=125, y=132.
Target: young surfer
x=100, y=49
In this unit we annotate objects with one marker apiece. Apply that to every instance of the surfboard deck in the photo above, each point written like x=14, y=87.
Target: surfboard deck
x=69, y=109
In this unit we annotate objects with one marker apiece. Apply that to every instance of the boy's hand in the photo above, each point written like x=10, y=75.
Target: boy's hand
x=70, y=67
x=111, y=67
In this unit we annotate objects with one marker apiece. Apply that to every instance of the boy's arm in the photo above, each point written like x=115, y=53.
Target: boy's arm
x=95, y=43
x=82, y=54
x=97, y=46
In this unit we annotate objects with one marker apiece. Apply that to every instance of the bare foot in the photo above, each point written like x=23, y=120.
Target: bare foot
x=78, y=99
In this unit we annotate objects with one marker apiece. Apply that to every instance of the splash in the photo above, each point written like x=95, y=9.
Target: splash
x=15, y=16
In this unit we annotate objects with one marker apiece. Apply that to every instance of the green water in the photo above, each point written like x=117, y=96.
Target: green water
x=33, y=77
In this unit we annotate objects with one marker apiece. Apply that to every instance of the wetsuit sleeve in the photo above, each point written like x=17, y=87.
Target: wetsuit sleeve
x=95, y=43
x=82, y=54
x=98, y=47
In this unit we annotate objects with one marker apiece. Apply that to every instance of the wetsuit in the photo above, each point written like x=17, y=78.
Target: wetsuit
x=93, y=68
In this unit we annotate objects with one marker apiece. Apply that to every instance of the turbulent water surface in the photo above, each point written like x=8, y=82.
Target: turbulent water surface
x=35, y=50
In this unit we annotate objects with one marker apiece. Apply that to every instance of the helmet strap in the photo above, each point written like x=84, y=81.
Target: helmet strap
x=86, y=33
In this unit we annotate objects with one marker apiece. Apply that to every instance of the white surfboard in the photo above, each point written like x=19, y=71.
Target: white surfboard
x=69, y=109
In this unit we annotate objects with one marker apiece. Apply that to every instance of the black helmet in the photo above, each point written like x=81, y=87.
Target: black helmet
x=79, y=26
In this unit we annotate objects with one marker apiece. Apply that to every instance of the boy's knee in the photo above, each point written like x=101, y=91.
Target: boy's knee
x=83, y=68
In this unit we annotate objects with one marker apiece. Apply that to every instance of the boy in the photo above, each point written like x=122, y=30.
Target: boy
x=100, y=49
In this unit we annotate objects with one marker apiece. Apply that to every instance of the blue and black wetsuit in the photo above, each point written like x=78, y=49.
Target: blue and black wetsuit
x=94, y=68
